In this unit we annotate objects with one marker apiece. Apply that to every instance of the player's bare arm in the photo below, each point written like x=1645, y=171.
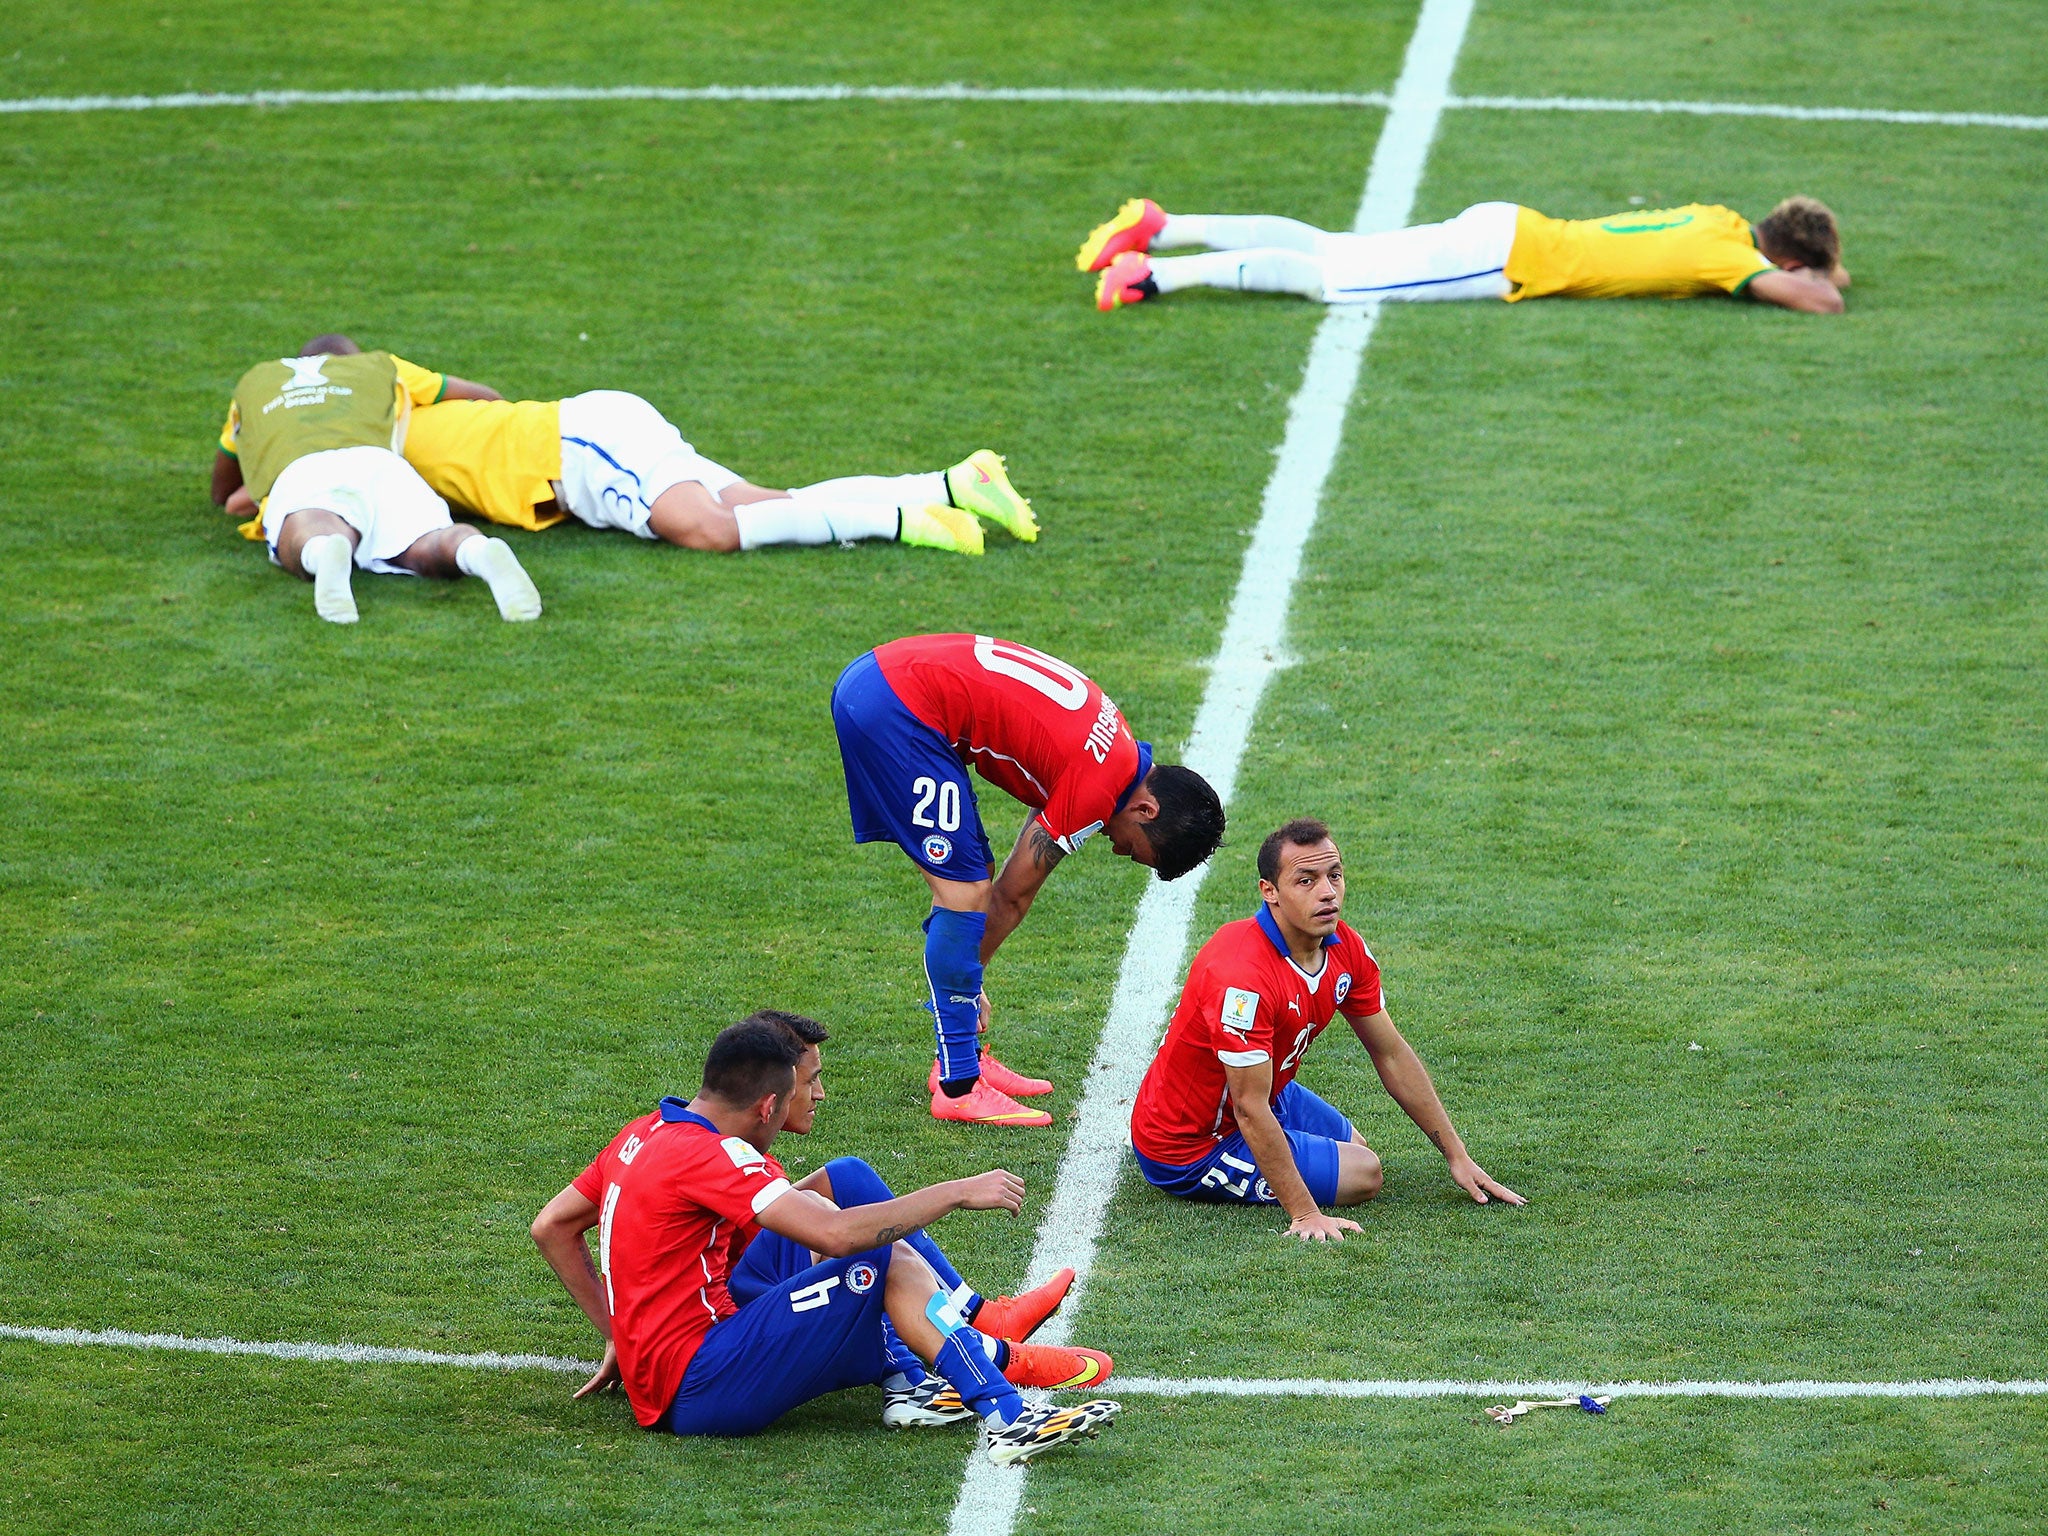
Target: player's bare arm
x=1798, y=288
x=1407, y=1081
x=1033, y=858
x=558, y=1232
x=227, y=476
x=804, y=1216
x=1251, y=1102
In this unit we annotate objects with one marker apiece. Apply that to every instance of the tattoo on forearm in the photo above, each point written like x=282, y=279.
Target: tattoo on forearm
x=1437, y=1138
x=890, y=1235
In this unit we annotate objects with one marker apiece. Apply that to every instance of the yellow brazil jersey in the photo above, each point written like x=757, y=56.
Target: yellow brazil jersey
x=417, y=386
x=1673, y=253
x=495, y=457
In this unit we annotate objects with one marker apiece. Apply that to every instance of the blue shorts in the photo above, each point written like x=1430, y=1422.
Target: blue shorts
x=816, y=1332
x=1314, y=1130
x=903, y=783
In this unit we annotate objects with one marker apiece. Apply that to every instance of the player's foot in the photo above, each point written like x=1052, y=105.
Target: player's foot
x=1056, y=1368
x=941, y=528
x=930, y=1403
x=998, y=1077
x=1131, y=230
x=1128, y=280
x=1038, y=1430
x=1016, y=1318
x=980, y=485
x=329, y=561
x=492, y=560
x=985, y=1105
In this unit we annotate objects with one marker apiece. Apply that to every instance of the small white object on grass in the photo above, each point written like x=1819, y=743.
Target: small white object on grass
x=1505, y=1414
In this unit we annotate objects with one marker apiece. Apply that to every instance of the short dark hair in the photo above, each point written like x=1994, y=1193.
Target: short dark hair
x=750, y=1059
x=1190, y=820
x=1302, y=832
x=1804, y=229
x=806, y=1029
x=332, y=345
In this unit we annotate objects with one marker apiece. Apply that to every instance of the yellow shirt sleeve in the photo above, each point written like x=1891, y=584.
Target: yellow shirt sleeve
x=231, y=431
x=421, y=386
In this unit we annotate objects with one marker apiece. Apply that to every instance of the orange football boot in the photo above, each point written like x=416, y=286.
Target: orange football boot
x=1127, y=280
x=1016, y=1318
x=987, y=1105
x=998, y=1077
x=1131, y=230
x=1056, y=1368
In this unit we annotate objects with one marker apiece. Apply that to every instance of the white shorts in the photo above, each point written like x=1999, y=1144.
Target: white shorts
x=373, y=490
x=618, y=454
x=1461, y=258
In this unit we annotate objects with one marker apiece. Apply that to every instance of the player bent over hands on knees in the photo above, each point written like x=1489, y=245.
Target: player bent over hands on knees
x=1220, y=1116
x=911, y=715
x=679, y=1195
x=910, y=1394
x=611, y=460
x=1792, y=258
x=310, y=457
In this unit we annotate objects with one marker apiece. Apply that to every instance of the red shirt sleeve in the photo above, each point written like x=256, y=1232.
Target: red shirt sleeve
x=1365, y=998
x=738, y=1181
x=1237, y=1017
x=1086, y=794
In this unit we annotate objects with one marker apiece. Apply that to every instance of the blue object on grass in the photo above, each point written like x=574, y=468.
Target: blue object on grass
x=1587, y=1403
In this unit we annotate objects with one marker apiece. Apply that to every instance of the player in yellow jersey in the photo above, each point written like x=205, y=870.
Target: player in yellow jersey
x=1791, y=258
x=309, y=455
x=611, y=460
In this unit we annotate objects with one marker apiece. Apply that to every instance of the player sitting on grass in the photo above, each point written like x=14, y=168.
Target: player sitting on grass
x=309, y=457
x=910, y=1394
x=677, y=1197
x=611, y=460
x=1220, y=1116
x=911, y=715
x=1792, y=258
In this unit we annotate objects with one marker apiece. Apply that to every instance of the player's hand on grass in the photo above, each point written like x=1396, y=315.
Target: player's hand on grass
x=1318, y=1228
x=996, y=1190
x=607, y=1375
x=1473, y=1179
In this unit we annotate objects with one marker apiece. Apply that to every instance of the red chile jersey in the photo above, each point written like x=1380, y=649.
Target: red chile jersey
x=1026, y=722
x=676, y=1203
x=1245, y=1002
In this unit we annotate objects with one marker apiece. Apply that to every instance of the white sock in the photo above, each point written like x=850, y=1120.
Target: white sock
x=814, y=520
x=1235, y=232
x=328, y=559
x=492, y=562
x=1246, y=271
x=884, y=490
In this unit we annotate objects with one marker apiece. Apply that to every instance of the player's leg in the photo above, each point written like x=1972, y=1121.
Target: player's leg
x=905, y=786
x=1349, y=1170
x=310, y=537
x=974, y=1365
x=979, y=483
x=1236, y=232
x=1460, y=258
x=1260, y=270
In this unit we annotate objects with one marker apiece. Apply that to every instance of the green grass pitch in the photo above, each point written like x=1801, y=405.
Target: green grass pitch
x=1673, y=674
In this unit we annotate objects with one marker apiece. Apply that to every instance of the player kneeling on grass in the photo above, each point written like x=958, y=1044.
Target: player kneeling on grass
x=310, y=456
x=611, y=460
x=679, y=1195
x=1220, y=1116
x=911, y=1396
x=1793, y=258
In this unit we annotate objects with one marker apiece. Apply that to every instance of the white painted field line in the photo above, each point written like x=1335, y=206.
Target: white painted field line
x=1097, y=95
x=1133, y=1386
x=1250, y=652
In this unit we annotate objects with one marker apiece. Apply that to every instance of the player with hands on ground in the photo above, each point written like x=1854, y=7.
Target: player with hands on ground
x=679, y=1194
x=309, y=456
x=1791, y=258
x=1220, y=1116
x=912, y=1396
x=911, y=715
